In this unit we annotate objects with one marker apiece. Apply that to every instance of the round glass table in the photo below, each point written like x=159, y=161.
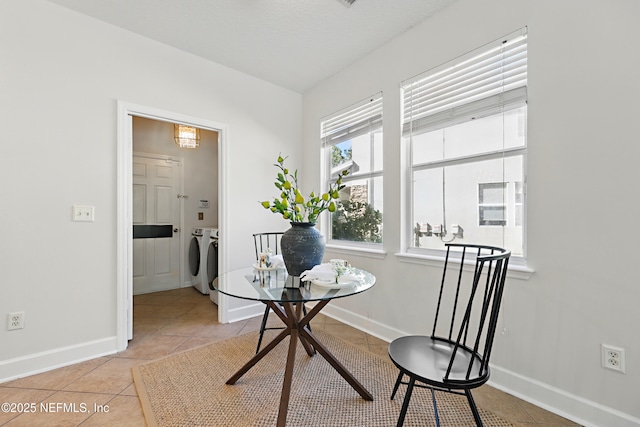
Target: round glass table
x=284, y=295
x=278, y=286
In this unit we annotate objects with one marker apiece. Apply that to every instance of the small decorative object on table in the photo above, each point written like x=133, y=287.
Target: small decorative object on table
x=265, y=258
x=302, y=245
x=340, y=267
x=269, y=262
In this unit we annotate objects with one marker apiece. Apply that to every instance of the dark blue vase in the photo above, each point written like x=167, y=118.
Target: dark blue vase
x=302, y=247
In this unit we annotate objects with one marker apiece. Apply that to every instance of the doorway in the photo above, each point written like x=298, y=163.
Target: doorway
x=175, y=190
x=124, y=279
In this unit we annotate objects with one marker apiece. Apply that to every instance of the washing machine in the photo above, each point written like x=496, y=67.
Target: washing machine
x=212, y=263
x=198, y=246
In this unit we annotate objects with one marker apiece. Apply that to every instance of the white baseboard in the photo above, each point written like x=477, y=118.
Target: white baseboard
x=36, y=363
x=575, y=408
x=364, y=324
x=245, y=312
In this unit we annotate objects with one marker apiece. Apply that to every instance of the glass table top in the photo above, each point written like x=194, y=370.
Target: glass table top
x=278, y=286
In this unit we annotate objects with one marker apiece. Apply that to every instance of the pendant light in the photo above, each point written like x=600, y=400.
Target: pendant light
x=186, y=136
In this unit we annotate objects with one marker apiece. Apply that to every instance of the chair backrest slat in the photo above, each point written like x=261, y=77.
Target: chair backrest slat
x=264, y=241
x=474, y=305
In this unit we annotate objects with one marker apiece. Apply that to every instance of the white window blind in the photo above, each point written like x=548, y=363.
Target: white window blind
x=360, y=119
x=483, y=82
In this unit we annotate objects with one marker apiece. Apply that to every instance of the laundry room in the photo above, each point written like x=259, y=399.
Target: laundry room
x=175, y=205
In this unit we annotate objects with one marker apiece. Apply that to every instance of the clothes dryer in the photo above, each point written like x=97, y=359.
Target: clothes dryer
x=212, y=264
x=198, y=246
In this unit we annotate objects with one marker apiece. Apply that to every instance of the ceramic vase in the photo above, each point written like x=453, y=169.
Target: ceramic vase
x=302, y=247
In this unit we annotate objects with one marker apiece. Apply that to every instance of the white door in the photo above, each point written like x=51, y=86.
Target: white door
x=156, y=260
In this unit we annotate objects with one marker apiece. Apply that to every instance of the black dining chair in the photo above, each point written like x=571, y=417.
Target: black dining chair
x=264, y=241
x=455, y=357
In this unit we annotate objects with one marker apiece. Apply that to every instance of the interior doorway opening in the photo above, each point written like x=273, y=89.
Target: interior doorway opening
x=175, y=192
x=126, y=114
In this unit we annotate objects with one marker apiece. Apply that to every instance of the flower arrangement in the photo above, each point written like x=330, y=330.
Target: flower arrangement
x=292, y=205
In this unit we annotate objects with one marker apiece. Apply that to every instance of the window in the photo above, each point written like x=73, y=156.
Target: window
x=491, y=204
x=352, y=141
x=464, y=130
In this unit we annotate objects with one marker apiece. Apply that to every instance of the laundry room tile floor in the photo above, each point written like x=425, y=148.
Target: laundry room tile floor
x=172, y=321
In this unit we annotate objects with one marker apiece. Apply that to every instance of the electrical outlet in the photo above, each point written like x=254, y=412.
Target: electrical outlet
x=15, y=321
x=83, y=213
x=613, y=358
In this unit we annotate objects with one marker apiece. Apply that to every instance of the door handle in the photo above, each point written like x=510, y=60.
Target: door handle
x=175, y=230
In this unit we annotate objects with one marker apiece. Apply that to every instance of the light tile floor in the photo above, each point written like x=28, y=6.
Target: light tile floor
x=169, y=322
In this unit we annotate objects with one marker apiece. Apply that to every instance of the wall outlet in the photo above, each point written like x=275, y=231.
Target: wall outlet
x=15, y=320
x=83, y=213
x=613, y=358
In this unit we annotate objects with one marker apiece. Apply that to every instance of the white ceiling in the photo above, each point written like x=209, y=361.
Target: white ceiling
x=292, y=43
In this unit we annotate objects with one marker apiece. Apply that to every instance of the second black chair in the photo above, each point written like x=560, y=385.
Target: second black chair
x=271, y=241
x=455, y=357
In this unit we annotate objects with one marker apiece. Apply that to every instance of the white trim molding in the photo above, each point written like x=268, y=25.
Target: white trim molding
x=369, y=252
x=575, y=408
x=244, y=312
x=37, y=363
x=516, y=270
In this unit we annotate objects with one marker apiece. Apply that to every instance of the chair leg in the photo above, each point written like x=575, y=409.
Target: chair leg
x=474, y=409
x=435, y=406
x=405, y=404
x=304, y=311
x=263, y=325
x=398, y=382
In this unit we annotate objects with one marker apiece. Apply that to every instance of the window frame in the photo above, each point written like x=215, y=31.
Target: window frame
x=372, y=108
x=441, y=119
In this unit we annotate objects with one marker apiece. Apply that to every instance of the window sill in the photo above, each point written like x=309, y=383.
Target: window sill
x=516, y=269
x=377, y=253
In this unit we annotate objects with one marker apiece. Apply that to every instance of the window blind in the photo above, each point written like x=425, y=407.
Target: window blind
x=359, y=119
x=487, y=80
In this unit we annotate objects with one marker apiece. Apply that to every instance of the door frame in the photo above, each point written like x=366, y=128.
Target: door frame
x=124, y=228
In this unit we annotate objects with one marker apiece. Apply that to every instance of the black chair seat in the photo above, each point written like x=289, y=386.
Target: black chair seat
x=427, y=359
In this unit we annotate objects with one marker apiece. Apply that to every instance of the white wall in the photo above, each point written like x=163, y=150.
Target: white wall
x=62, y=75
x=582, y=183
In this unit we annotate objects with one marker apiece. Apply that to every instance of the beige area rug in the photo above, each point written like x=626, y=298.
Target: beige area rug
x=188, y=389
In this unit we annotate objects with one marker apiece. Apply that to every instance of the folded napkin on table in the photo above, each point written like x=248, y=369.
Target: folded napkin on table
x=276, y=261
x=325, y=272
